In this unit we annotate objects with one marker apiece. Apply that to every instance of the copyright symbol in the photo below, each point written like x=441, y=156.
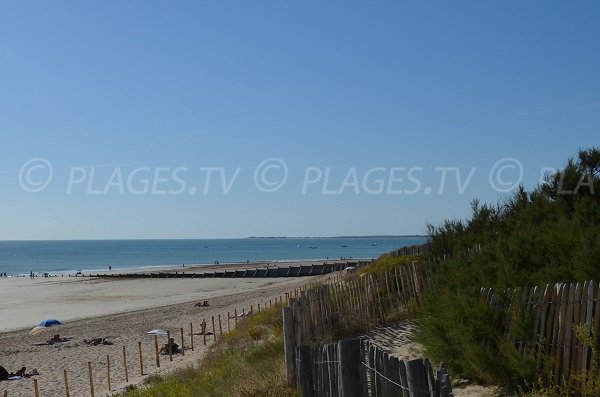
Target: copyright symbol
x=270, y=175
x=35, y=175
x=506, y=174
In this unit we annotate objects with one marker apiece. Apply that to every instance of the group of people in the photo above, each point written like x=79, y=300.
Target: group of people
x=170, y=347
x=3, y=275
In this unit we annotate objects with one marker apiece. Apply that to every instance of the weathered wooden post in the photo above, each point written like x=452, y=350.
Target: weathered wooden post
x=36, y=388
x=305, y=370
x=91, y=378
x=141, y=359
x=108, y=370
x=204, y=331
x=349, y=366
x=67, y=393
x=417, y=378
x=289, y=345
x=182, y=343
x=156, y=351
x=220, y=326
x=125, y=365
x=192, y=336
x=169, y=346
x=214, y=329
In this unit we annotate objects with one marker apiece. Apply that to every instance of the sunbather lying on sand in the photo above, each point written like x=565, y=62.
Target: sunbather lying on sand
x=57, y=339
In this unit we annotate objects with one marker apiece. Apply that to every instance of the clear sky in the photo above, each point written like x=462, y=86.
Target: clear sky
x=129, y=103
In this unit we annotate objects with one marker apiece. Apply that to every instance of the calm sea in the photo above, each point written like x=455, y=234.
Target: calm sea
x=22, y=257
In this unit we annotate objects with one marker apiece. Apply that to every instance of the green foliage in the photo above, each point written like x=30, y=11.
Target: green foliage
x=588, y=378
x=533, y=238
x=388, y=262
x=247, y=362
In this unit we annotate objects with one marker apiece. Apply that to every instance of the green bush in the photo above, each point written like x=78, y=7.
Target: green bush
x=535, y=238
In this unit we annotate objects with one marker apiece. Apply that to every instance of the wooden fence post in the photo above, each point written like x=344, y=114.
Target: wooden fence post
x=67, y=393
x=36, y=388
x=214, y=330
x=192, y=336
x=228, y=323
x=417, y=378
x=156, y=350
x=91, y=378
x=220, y=326
x=108, y=370
x=141, y=359
x=182, y=343
x=169, y=346
x=204, y=330
x=125, y=365
x=305, y=370
x=289, y=346
x=349, y=367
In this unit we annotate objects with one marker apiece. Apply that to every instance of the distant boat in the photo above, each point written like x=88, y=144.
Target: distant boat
x=299, y=245
x=374, y=244
x=344, y=246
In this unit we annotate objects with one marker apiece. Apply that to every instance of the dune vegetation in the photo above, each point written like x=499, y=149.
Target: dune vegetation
x=548, y=235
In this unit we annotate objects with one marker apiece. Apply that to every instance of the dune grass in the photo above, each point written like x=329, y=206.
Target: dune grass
x=248, y=361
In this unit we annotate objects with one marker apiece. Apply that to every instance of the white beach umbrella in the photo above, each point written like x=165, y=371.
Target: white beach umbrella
x=157, y=332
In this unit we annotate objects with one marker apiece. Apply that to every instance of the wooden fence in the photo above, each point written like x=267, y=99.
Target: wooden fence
x=351, y=305
x=357, y=368
x=410, y=250
x=553, y=311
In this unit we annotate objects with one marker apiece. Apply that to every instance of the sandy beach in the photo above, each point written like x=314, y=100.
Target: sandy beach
x=121, y=310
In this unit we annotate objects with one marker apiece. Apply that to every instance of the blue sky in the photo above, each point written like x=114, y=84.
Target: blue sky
x=119, y=86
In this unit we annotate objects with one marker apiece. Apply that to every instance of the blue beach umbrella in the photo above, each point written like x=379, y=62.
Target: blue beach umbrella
x=44, y=325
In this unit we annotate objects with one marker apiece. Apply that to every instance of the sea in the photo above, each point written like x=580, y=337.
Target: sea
x=24, y=257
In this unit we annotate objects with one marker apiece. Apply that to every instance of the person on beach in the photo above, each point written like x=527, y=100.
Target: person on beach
x=174, y=347
x=110, y=268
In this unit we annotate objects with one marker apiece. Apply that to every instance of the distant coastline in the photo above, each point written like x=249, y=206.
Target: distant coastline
x=339, y=237
x=231, y=238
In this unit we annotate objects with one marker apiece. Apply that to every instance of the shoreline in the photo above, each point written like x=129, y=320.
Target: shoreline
x=188, y=267
x=28, y=301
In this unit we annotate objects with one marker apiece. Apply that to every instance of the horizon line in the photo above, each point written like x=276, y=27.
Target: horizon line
x=225, y=238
